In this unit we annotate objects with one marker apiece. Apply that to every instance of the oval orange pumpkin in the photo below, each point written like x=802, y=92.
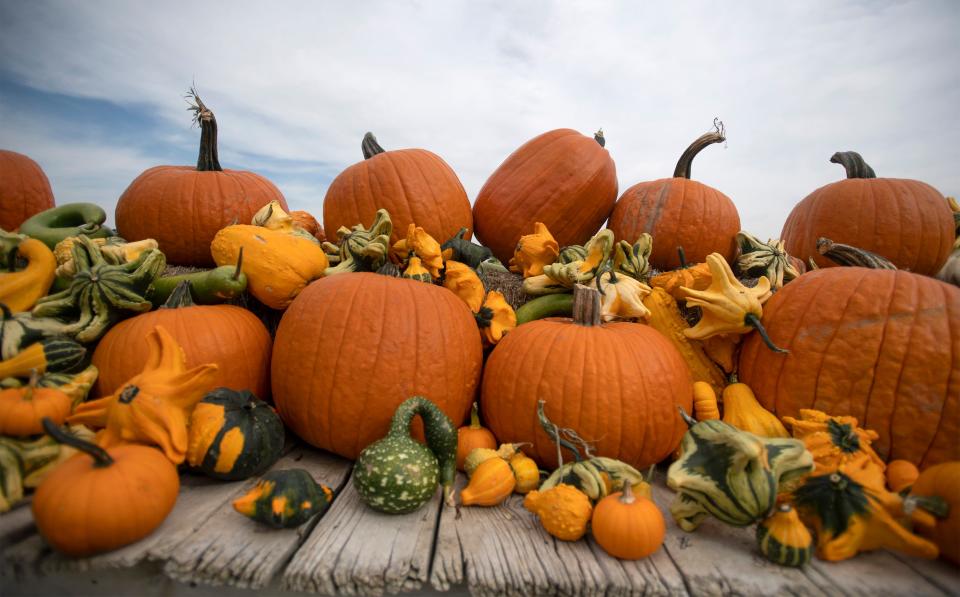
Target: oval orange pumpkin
x=679, y=212
x=561, y=178
x=907, y=221
x=183, y=207
x=353, y=347
x=24, y=189
x=882, y=346
x=943, y=480
x=414, y=185
x=618, y=384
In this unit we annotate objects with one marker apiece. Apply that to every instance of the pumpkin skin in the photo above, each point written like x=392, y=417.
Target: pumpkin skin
x=617, y=383
x=561, y=178
x=415, y=185
x=877, y=345
x=679, y=212
x=339, y=374
x=907, y=221
x=24, y=189
x=183, y=207
x=628, y=526
x=942, y=480
x=233, y=435
x=231, y=337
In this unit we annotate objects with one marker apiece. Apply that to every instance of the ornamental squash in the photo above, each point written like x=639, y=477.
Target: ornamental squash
x=103, y=499
x=857, y=211
x=56, y=354
x=24, y=189
x=680, y=212
x=610, y=382
x=526, y=472
x=397, y=474
x=414, y=185
x=783, y=539
x=628, y=526
x=20, y=290
x=838, y=444
x=284, y=499
x=564, y=511
x=704, y=402
x=943, y=481
x=561, y=178
x=278, y=265
x=183, y=207
x=878, y=345
x=768, y=259
x=741, y=409
x=472, y=436
x=71, y=219
x=338, y=374
x=534, y=252
x=233, y=435
x=490, y=484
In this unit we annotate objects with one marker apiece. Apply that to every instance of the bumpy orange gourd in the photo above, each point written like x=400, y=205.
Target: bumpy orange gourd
x=491, y=483
x=564, y=511
x=901, y=474
x=696, y=276
x=838, y=444
x=472, y=436
x=628, y=526
x=24, y=189
x=526, y=471
x=942, y=480
x=23, y=409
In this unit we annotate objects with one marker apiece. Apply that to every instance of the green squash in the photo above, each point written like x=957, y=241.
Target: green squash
x=71, y=219
x=284, y=499
x=783, y=539
x=234, y=435
x=397, y=474
x=733, y=475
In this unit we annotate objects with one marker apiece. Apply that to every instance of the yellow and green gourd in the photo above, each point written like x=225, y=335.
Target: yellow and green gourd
x=783, y=539
x=397, y=474
x=284, y=499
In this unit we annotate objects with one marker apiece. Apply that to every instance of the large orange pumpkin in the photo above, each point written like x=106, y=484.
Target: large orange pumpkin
x=183, y=207
x=679, y=212
x=414, y=185
x=564, y=179
x=231, y=337
x=353, y=347
x=618, y=384
x=879, y=345
x=907, y=221
x=24, y=189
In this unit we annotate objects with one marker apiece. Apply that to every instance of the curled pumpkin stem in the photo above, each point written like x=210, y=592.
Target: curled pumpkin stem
x=753, y=321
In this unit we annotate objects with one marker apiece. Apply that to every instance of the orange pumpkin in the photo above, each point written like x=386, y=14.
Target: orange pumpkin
x=561, y=178
x=231, y=337
x=23, y=409
x=618, y=384
x=415, y=185
x=907, y=221
x=679, y=212
x=183, y=207
x=24, y=189
x=942, y=480
x=901, y=474
x=628, y=526
x=472, y=436
x=877, y=345
x=353, y=347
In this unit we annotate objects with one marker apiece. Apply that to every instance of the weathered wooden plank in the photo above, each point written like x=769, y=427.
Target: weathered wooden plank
x=16, y=525
x=355, y=550
x=231, y=549
x=943, y=575
x=877, y=573
x=504, y=551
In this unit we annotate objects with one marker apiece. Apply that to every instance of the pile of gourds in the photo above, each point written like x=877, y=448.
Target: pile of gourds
x=387, y=325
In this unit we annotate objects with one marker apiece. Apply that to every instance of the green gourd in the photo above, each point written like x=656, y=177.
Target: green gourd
x=551, y=305
x=396, y=474
x=284, y=499
x=71, y=219
x=733, y=475
x=207, y=287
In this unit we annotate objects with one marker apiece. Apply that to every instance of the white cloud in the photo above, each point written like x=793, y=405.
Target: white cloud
x=471, y=81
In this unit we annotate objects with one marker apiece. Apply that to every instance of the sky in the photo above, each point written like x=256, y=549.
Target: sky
x=94, y=91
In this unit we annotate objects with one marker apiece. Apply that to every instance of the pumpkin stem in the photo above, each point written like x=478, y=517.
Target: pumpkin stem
x=933, y=504
x=128, y=394
x=209, y=159
x=853, y=163
x=690, y=421
x=753, y=321
x=849, y=255
x=598, y=137
x=101, y=458
x=180, y=297
x=32, y=385
x=370, y=146
x=683, y=257
x=236, y=272
x=627, y=496
x=686, y=159
x=586, y=306
x=475, y=417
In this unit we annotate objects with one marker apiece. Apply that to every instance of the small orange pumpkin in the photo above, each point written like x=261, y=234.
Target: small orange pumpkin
x=943, y=481
x=472, y=436
x=23, y=409
x=901, y=474
x=628, y=526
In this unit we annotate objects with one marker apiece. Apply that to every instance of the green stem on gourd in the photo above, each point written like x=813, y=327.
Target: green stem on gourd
x=101, y=458
x=475, y=417
x=686, y=159
x=209, y=159
x=370, y=146
x=753, y=321
x=853, y=163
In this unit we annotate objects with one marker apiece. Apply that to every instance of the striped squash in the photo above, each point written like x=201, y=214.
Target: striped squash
x=783, y=539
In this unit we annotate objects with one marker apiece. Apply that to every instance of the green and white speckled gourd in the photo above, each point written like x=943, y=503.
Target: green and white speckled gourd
x=396, y=474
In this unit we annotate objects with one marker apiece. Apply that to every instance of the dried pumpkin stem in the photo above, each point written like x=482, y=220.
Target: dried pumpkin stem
x=586, y=306
x=236, y=272
x=101, y=458
x=180, y=297
x=753, y=321
x=598, y=137
x=686, y=159
x=683, y=257
x=370, y=146
x=209, y=159
x=853, y=163
x=690, y=421
x=627, y=496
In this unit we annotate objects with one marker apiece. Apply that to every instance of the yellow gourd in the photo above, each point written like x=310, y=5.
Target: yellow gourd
x=526, y=472
x=564, y=511
x=31, y=358
x=20, y=290
x=742, y=410
x=534, y=252
x=416, y=271
x=476, y=457
x=704, y=402
x=491, y=483
x=696, y=277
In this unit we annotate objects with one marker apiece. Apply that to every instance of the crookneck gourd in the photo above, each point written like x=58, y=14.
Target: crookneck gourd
x=838, y=444
x=71, y=219
x=21, y=289
x=207, y=287
x=783, y=539
x=397, y=474
x=154, y=406
x=733, y=475
x=742, y=410
x=361, y=249
x=234, y=435
x=768, y=259
x=284, y=499
x=100, y=293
